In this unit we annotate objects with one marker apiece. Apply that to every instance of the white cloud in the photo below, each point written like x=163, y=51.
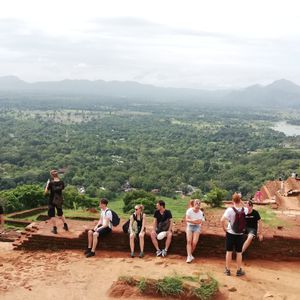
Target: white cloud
x=179, y=43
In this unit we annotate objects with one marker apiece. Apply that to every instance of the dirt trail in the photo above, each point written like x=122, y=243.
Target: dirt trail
x=69, y=275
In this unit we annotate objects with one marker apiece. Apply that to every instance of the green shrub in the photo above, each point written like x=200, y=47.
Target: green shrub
x=23, y=197
x=170, y=286
x=206, y=290
x=139, y=197
x=215, y=197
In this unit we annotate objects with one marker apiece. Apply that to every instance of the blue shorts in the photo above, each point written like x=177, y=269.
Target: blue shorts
x=193, y=228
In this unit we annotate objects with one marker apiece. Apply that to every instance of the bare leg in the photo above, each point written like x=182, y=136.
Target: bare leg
x=63, y=219
x=195, y=240
x=228, y=259
x=131, y=241
x=189, y=236
x=154, y=240
x=53, y=221
x=239, y=260
x=169, y=239
x=247, y=242
x=90, y=238
x=142, y=235
x=95, y=241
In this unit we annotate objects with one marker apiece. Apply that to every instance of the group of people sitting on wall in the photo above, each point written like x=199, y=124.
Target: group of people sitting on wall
x=237, y=220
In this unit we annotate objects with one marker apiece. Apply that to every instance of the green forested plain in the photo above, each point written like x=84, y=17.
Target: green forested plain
x=169, y=147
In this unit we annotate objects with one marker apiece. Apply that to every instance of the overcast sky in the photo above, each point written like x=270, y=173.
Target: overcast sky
x=198, y=44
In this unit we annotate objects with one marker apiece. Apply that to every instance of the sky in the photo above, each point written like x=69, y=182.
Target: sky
x=194, y=44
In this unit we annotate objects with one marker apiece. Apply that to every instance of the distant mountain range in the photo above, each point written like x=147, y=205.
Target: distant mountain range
x=280, y=93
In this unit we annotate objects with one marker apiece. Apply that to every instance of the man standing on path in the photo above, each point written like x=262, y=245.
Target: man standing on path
x=162, y=223
x=236, y=222
x=253, y=225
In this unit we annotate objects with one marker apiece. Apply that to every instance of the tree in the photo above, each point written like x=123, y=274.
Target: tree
x=215, y=196
x=139, y=197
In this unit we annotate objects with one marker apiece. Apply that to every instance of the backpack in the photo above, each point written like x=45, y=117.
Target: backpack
x=125, y=226
x=115, y=218
x=58, y=200
x=57, y=195
x=239, y=224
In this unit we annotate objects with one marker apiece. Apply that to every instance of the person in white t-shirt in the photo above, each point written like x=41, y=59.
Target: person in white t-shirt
x=103, y=227
x=194, y=218
x=234, y=239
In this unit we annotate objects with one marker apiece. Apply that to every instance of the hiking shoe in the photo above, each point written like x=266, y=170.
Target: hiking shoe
x=90, y=254
x=66, y=228
x=240, y=272
x=189, y=259
x=141, y=255
x=88, y=250
x=227, y=272
x=54, y=230
x=132, y=254
x=158, y=252
x=164, y=253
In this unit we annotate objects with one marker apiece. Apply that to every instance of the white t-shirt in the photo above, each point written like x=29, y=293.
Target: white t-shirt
x=106, y=214
x=191, y=214
x=229, y=215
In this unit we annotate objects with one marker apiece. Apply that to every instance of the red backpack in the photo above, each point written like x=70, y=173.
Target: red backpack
x=239, y=225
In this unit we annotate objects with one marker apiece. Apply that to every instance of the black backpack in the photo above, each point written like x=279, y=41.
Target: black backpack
x=57, y=194
x=125, y=226
x=115, y=218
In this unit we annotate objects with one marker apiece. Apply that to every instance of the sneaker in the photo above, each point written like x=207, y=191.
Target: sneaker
x=192, y=257
x=141, y=255
x=90, y=254
x=88, y=250
x=189, y=259
x=132, y=254
x=164, y=253
x=227, y=272
x=240, y=272
x=66, y=228
x=158, y=252
x=54, y=230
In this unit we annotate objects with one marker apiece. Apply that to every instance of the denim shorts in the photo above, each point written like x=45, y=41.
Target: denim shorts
x=193, y=228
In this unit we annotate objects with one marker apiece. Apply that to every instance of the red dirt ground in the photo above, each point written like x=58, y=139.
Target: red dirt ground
x=69, y=275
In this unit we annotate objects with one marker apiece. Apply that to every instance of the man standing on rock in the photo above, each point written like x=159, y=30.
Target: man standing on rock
x=55, y=186
x=253, y=225
x=236, y=224
x=103, y=227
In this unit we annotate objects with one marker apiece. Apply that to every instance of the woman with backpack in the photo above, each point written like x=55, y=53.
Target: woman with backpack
x=234, y=224
x=55, y=186
x=137, y=228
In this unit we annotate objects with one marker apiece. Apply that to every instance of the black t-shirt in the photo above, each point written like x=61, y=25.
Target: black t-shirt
x=55, y=187
x=162, y=217
x=252, y=219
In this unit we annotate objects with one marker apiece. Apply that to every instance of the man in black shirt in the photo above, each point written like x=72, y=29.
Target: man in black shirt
x=55, y=186
x=253, y=226
x=162, y=226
